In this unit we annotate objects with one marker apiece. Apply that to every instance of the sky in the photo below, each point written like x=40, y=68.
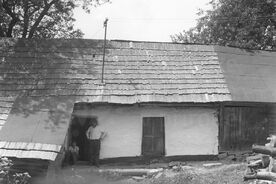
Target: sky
x=141, y=20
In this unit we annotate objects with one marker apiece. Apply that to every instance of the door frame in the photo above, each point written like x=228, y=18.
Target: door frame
x=70, y=138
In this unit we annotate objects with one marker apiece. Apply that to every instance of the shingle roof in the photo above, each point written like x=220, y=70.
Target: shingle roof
x=134, y=71
x=36, y=127
x=29, y=150
x=250, y=75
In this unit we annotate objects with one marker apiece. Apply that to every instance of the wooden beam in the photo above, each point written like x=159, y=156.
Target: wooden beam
x=264, y=150
x=261, y=175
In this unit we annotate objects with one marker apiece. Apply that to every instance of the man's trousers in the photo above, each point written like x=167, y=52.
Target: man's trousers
x=94, y=151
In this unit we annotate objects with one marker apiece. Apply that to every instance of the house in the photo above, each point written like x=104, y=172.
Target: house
x=154, y=99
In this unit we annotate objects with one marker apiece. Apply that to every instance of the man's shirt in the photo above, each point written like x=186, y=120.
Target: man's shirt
x=94, y=133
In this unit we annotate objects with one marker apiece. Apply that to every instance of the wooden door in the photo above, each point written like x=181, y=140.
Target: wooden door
x=240, y=127
x=153, y=141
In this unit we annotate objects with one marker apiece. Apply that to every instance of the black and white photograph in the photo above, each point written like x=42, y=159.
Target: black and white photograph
x=137, y=92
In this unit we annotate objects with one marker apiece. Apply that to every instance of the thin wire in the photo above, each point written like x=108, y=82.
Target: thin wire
x=185, y=19
x=151, y=19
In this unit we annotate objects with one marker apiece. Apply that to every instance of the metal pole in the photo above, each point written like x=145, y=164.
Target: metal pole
x=105, y=26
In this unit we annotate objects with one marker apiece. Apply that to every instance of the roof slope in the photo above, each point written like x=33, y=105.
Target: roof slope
x=134, y=71
x=36, y=127
x=250, y=75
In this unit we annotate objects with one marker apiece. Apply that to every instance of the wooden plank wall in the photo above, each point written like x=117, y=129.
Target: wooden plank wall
x=242, y=126
x=272, y=119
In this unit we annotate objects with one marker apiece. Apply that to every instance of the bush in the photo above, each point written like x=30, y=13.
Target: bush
x=7, y=177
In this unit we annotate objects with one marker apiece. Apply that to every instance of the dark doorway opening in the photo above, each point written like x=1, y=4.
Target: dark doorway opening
x=78, y=130
x=153, y=141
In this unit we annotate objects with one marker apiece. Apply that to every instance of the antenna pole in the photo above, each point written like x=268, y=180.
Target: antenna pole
x=105, y=29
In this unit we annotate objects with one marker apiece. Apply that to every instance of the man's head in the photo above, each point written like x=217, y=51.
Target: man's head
x=94, y=122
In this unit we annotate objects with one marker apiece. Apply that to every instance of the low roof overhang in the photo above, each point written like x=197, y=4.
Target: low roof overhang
x=36, y=127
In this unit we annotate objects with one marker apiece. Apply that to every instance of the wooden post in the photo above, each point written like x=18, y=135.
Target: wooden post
x=105, y=26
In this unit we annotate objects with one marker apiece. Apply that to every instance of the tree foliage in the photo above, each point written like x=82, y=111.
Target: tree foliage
x=41, y=18
x=239, y=23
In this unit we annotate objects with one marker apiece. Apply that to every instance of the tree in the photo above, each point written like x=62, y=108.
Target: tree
x=41, y=18
x=239, y=23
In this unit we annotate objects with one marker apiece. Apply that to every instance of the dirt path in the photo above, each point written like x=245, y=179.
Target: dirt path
x=85, y=175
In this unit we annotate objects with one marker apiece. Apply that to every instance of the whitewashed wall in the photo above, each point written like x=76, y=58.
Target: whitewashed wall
x=188, y=131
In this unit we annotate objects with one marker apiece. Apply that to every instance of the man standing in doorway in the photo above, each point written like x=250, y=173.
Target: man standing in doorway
x=94, y=135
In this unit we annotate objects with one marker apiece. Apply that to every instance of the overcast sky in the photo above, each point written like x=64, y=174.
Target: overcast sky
x=145, y=20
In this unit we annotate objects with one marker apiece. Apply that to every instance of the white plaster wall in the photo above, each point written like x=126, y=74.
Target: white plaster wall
x=188, y=131
x=192, y=132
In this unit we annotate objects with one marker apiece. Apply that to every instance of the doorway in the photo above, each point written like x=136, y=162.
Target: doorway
x=78, y=130
x=153, y=140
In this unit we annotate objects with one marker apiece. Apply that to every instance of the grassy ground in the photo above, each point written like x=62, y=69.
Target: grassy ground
x=231, y=173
